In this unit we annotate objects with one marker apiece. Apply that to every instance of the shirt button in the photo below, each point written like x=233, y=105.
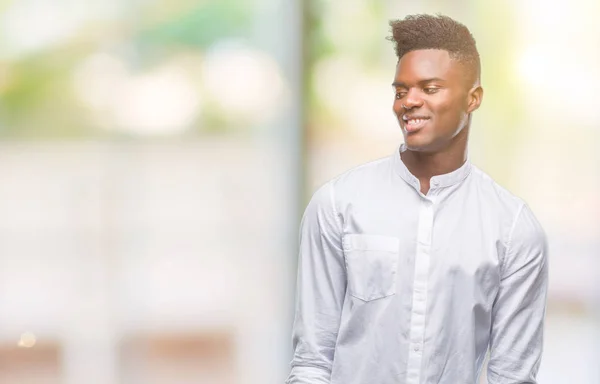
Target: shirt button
x=416, y=348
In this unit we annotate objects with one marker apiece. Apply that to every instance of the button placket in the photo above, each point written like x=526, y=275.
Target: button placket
x=420, y=289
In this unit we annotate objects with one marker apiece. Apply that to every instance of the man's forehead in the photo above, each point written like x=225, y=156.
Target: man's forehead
x=420, y=65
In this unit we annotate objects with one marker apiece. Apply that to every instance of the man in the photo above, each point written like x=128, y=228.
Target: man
x=412, y=267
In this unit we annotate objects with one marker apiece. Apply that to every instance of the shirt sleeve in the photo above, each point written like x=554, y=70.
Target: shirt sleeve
x=321, y=287
x=519, y=309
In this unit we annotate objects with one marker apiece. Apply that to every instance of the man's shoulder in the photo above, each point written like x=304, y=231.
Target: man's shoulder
x=362, y=174
x=495, y=193
x=367, y=174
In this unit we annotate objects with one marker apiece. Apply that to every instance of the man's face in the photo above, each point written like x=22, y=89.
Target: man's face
x=434, y=96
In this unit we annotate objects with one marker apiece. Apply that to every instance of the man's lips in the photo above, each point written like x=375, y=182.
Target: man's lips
x=413, y=123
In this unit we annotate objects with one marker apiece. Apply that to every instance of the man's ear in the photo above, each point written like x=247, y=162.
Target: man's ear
x=475, y=98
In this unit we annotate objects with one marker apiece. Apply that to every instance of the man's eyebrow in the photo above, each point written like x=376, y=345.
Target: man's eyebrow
x=399, y=84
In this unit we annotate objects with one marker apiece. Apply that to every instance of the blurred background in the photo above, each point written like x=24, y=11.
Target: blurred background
x=156, y=157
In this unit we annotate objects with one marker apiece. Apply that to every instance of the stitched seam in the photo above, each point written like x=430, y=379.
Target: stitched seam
x=335, y=211
x=510, y=235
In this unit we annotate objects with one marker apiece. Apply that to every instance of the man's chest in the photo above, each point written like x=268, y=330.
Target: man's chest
x=421, y=246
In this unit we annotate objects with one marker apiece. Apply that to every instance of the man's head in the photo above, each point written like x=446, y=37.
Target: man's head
x=437, y=81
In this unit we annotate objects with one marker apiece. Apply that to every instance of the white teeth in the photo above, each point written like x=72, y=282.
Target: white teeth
x=413, y=121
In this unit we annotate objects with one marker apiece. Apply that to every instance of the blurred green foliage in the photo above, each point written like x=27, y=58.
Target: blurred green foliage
x=37, y=100
x=199, y=26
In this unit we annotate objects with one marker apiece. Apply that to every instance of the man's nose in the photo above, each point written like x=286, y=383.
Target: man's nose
x=412, y=99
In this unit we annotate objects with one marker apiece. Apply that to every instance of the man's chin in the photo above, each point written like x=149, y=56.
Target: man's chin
x=417, y=144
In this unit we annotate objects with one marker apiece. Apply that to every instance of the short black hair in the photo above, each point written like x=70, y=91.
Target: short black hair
x=416, y=32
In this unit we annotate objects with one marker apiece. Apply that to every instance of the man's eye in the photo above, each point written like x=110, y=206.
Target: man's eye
x=400, y=95
x=431, y=90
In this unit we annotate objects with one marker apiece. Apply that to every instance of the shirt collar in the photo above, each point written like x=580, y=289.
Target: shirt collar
x=438, y=181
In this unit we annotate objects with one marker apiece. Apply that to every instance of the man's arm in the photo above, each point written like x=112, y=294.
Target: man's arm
x=520, y=305
x=321, y=288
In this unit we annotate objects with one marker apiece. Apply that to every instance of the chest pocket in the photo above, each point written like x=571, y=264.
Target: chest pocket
x=371, y=262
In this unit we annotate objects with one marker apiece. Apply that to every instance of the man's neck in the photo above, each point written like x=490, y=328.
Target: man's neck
x=424, y=165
